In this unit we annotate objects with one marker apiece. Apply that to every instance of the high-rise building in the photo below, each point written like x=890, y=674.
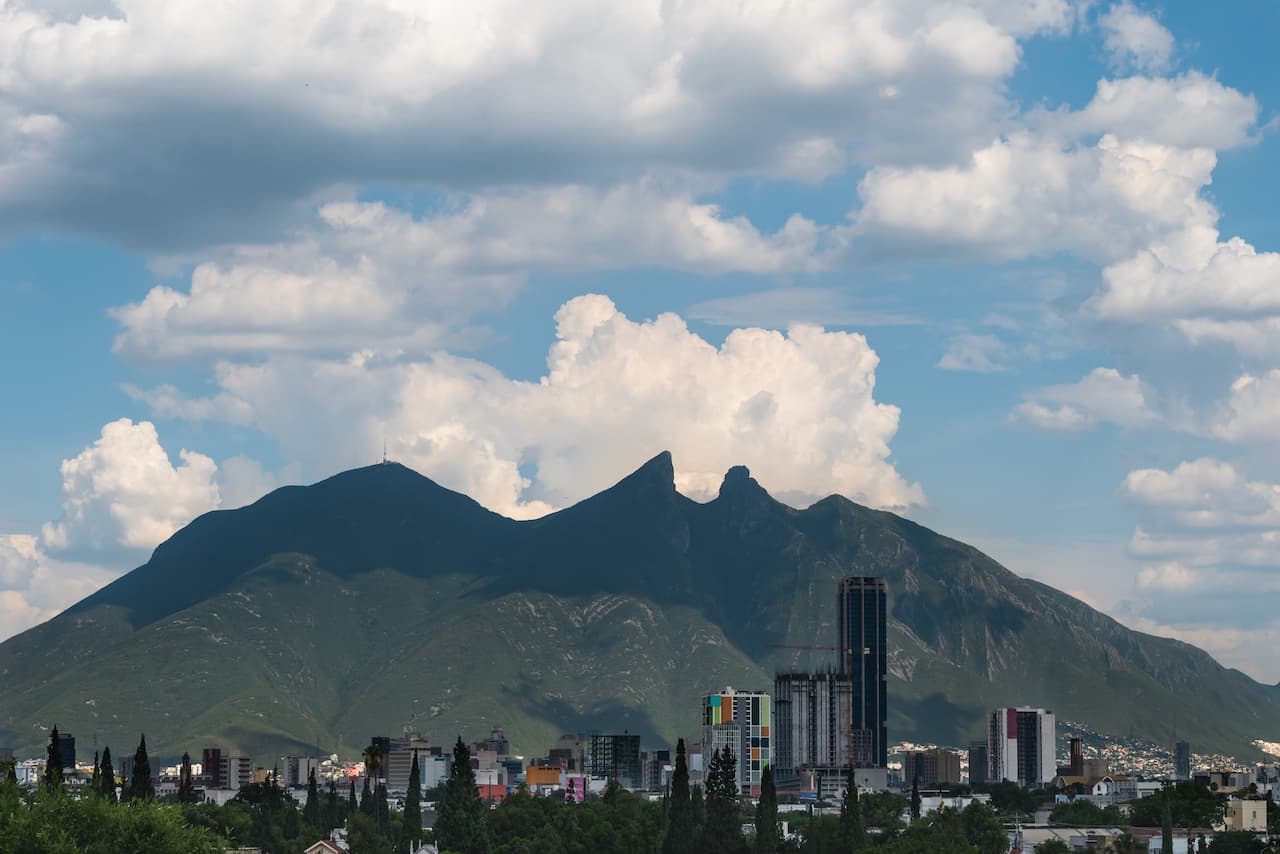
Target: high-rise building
x=399, y=761
x=295, y=770
x=1182, y=761
x=67, y=749
x=655, y=770
x=569, y=753
x=1022, y=746
x=931, y=768
x=864, y=656
x=211, y=768
x=978, y=763
x=615, y=757
x=812, y=718
x=741, y=720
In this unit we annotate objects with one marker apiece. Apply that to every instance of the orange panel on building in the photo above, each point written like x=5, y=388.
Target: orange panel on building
x=535, y=776
x=491, y=793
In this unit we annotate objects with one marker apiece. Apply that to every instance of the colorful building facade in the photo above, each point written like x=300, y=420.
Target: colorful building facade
x=742, y=720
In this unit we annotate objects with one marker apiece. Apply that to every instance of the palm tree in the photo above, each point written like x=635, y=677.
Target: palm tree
x=373, y=765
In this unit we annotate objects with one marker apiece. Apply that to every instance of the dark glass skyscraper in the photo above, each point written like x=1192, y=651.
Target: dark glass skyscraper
x=865, y=657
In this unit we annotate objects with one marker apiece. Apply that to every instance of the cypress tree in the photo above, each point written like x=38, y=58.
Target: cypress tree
x=331, y=813
x=140, y=786
x=186, y=785
x=291, y=829
x=381, y=810
x=311, y=812
x=462, y=824
x=767, y=815
x=351, y=800
x=366, y=799
x=852, y=828
x=53, y=763
x=679, y=838
x=697, y=812
x=722, y=831
x=915, y=797
x=1166, y=825
x=411, y=828
x=95, y=783
x=108, y=776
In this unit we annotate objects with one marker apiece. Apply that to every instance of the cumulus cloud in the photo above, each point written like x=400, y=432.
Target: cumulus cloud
x=1207, y=493
x=493, y=92
x=35, y=587
x=367, y=271
x=1104, y=395
x=1134, y=38
x=123, y=492
x=1251, y=411
x=1166, y=576
x=983, y=354
x=799, y=408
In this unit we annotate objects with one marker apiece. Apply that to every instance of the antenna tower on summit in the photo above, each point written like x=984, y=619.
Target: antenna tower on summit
x=384, y=452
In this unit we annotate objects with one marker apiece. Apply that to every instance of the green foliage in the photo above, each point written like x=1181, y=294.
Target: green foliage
x=53, y=763
x=411, y=832
x=679, y=837
x=767, y=836
x=462, y=822
x=95, y=782
x=1082, y=813
x=140, y=785
x=1011, y=799
x=1052, y=846
x=1236, y=842
x=853, y=829
x=108, y=777
x=1190, y=805
x=312, y=811
x=698, y=810
x=974, y=830
x=915, y=798
x=882, y=812
x=364, y=838
x=63, y=825
x=722, y=833
x=625, y=824
x=1127, y=843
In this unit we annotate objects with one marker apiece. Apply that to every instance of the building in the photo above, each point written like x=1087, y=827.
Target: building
x=542, y=776
x=236, y=770
x=812, y=721
x=569, y=753
x=1248, y=815
x=978, y=763
x=211, y=769
x=614, y=757
x=497, y=742
x=1021, y=746
x=295, y=771
x=864, y=656
x=655, y=770
x=741, y=720
x=399, y=761
x=1182, y=761
x=931, y=768
x=67, y=750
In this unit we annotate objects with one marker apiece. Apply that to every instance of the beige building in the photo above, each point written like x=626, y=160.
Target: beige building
x=1246, y=815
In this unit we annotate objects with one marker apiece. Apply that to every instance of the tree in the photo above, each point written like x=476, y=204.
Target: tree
x=411, y=826
x=311, y=812
x=381, y=811
x=1052, y=846
x=53, y=763
x=95, y=782
x=140, y=785
x=186, y=784
x=351, y=800
x=679, y=836
x=108, y=776
x=1192, y=805
x=366, y=801
x=1127, y=843
x=722, y=831
x=1236, y=842
x=853, y=832
x=915, y=797
x=291, y=828
x=1166, y=825
x=767, y=815
x=461, y=825
x=1201, y=846
x=331, y=808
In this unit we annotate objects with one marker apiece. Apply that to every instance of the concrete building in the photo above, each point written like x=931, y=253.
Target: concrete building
x=1248, y=815
x=1182, y=761
x=497, y=742
x=67, y=749
x=569, y=753
x=863, y=656
x=978, y=763
x=1021, y=745
x=931, y=768
x=296, y=770
x=614, y=757
x=743, y=721
x=655, y=770
x=399, y=761
x=812, y=721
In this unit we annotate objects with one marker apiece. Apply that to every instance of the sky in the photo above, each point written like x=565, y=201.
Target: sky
x=1009, y=269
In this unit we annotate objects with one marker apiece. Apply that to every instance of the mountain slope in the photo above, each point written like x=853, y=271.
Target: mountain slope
x=376, y=601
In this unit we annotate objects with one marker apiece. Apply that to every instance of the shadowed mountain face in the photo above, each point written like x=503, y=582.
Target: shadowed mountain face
x=377, y=601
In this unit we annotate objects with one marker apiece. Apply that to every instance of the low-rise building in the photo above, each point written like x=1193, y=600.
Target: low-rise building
x=1246, y=814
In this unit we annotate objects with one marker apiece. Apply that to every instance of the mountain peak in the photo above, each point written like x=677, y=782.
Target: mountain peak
x=738, y=481
x=659, y=470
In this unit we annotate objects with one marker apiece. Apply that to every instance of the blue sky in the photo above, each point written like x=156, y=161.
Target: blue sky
x=1008, y=269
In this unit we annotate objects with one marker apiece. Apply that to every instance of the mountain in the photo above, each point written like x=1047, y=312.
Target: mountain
x=377, y=601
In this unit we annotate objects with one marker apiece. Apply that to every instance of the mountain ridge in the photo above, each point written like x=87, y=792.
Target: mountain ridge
x=373, y=576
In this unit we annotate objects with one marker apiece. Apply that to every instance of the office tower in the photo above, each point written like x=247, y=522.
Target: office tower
x=1182, y=761
x=67, y=748
x=1021, y=745
x=614, y=757
x=399, y=761
x=978, y=763
x=931, y=768
x=741, y=720
x=864, y=656
x=811, y=725
x=211, y=768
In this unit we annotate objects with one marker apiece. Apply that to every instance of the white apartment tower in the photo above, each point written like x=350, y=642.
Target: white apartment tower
x=1022, y=745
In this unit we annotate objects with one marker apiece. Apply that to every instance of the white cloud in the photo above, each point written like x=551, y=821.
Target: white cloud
x=1104, y=395
x=1134, y=38
x=258, y=111
x=1252, y=410
x=368, y=272
x=983, y=354
x=1166, y=576
x=34, y=587
x=123, y=492
x=1028, y=195
x=797, y=408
